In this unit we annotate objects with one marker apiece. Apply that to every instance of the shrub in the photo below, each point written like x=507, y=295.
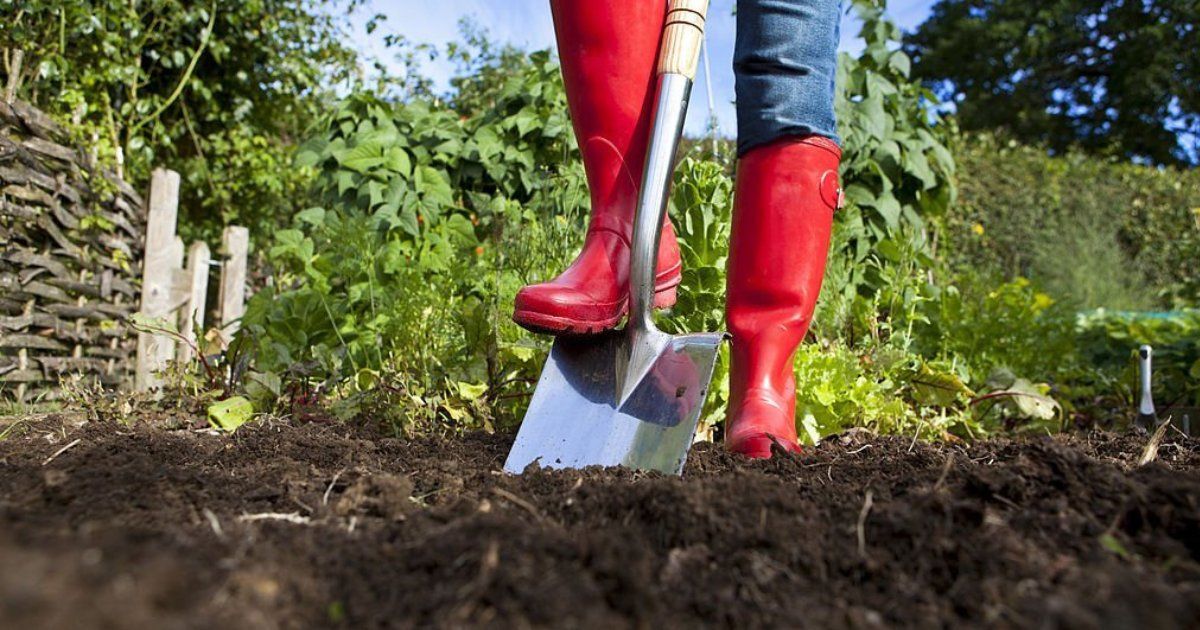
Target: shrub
x=1012, y=326
x=399, y=283
x=1091, y=231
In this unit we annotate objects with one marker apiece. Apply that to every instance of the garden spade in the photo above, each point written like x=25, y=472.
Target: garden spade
x=631, y=397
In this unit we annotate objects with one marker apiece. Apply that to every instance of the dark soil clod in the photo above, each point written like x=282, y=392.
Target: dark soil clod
x=323, y=525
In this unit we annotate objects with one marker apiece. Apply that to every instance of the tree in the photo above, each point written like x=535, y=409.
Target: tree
x=1112, y=77
x=216, y=90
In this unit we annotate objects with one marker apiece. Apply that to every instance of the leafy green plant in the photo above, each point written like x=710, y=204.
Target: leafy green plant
x=837, y=390
x=393, y=294
x=701, y=211
x=1014, y=326
x=897, y=168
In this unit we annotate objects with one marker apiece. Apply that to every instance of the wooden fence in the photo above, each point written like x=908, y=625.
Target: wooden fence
x=178, y=294
x=72, y=242
x=69, y=258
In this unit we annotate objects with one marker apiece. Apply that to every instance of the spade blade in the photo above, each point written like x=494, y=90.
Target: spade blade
x=577, y=417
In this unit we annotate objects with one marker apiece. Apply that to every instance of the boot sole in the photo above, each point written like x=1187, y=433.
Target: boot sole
x=664, y=297
x=758, y=446
x=750, y=432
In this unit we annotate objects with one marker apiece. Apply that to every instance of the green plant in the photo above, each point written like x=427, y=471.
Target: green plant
x=897, y=168
x=393, y=294
x=837, y=390
x=1013, y=326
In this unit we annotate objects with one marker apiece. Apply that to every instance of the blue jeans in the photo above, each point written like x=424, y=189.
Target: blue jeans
x=784, y=65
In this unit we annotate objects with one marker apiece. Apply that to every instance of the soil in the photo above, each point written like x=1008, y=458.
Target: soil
x=322, y=524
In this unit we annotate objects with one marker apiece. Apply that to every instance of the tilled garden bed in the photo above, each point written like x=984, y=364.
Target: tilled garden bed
x=323, y=524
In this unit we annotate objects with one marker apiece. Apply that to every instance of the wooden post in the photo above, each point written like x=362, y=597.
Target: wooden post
x=191, y=325
x=235, y=243
x=14, y=75
x=158, y=264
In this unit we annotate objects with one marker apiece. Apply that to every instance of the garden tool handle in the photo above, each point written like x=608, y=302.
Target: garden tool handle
x=1146, y=404
x=683, y=33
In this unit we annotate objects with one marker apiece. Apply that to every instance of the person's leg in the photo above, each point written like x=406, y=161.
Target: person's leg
x=787, y=190
x=608, y=50
x=785, y=63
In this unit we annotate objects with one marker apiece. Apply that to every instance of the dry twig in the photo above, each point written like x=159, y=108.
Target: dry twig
x=518, y=501
x=1151, y=451
x=861, y=528
x=61, y=451
x=214, y=523
x=945, y=472
x=290, y=517
x=325, y=497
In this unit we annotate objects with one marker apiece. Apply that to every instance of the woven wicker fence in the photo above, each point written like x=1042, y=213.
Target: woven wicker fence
x=71, y=240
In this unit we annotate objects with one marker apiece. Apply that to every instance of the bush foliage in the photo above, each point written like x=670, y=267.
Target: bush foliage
x=1095, y=232
x=430, y=221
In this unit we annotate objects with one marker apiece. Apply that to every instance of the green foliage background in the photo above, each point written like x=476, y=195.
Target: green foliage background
x=393, y=295
x=1131, y=232
x=393, y=292
x=1109, y=78
x=410, y=220
x=219, y=91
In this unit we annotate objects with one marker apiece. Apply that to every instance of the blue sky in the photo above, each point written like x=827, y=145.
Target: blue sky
x=527, y=24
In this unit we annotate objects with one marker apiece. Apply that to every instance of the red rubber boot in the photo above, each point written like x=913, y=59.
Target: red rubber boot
x=608, y=50
x=783, y=212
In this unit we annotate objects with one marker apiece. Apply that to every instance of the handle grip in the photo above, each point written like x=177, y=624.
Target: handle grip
x=682, y=36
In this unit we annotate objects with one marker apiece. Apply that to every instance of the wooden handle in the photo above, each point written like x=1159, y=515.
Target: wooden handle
x=682, y=35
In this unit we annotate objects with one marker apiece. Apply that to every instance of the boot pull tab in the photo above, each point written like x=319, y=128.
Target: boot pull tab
x=831, y=190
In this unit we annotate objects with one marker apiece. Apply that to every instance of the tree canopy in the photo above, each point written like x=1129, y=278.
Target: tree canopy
x=215, y=90
x=1112, y=77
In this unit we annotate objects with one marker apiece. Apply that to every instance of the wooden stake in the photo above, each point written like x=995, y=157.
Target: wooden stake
x=235, y=243
x=158, y=264
x=191, y=325
x=14, y=75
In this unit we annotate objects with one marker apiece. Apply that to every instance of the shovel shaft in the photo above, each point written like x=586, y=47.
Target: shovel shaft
x=666, y=125
x=680, y=49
